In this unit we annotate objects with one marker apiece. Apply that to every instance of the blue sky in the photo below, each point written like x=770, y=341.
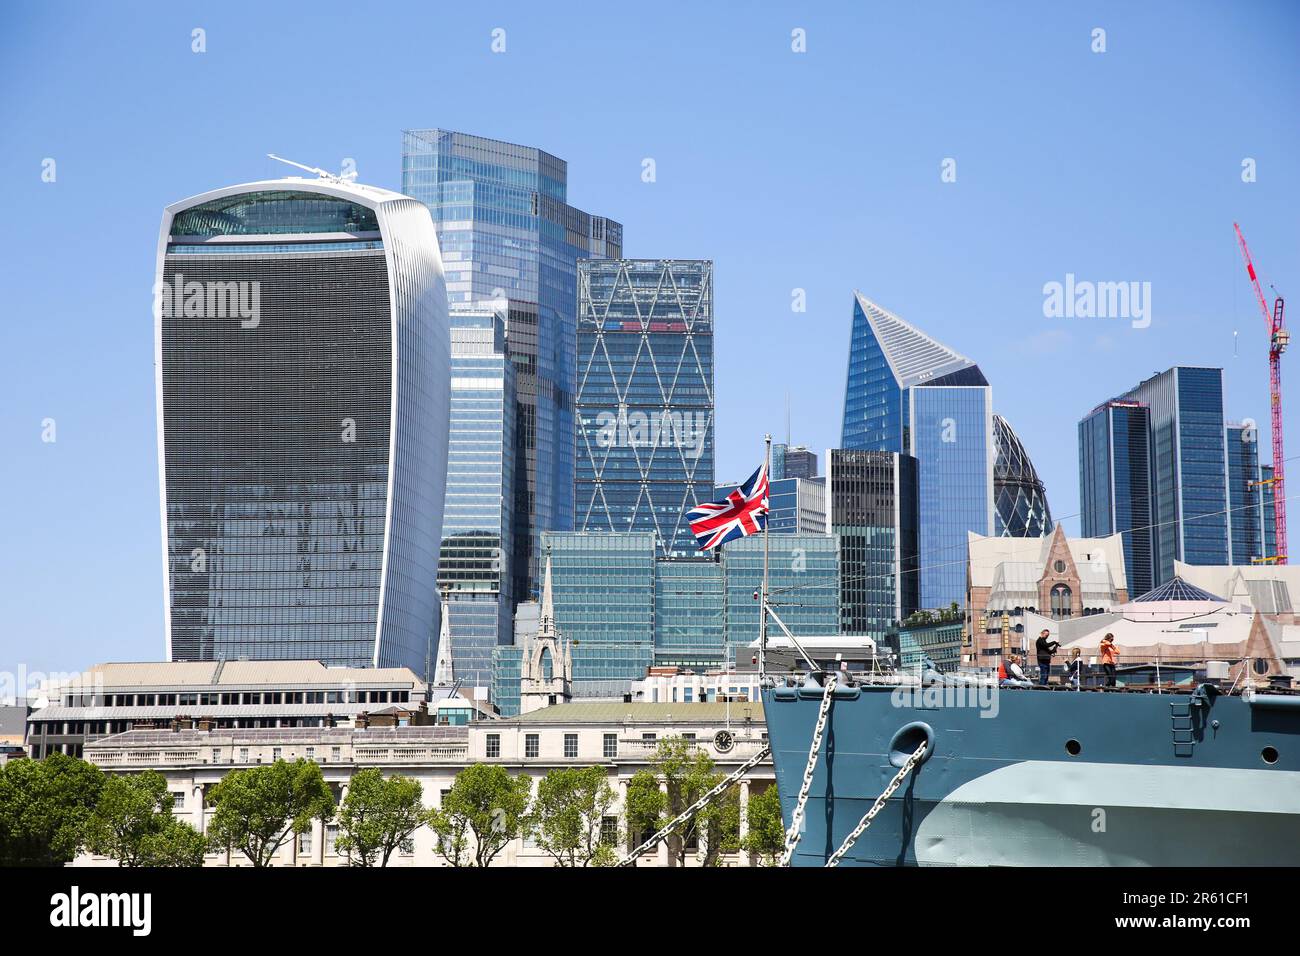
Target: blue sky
x=817, y=171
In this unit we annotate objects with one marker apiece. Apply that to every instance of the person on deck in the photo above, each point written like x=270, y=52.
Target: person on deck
x=1109, y=658
x=1074, y=668
x=1045, y=647
x=1015, y=675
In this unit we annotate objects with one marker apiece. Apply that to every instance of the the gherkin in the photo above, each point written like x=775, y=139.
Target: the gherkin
x=1020, y=500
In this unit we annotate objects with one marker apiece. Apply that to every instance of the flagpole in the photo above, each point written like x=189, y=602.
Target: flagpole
x=767, y=544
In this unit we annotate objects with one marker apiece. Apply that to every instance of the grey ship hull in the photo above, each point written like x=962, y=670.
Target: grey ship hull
x=1156, y=780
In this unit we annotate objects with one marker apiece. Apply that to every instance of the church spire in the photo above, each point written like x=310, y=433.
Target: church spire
x=444, y=673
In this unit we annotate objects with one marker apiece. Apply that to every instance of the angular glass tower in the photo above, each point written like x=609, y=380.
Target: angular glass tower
x=872, y=498
x=1020, y=498
x=908, y=394
x=477, y=525
x=1115, y=484
x=1246, y=514
x=645, y=397
x=508, y=233
x=301, y=355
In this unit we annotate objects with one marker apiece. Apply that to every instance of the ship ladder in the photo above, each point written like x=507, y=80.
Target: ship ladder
x=664, y=831
x=801, y=805
x=881, y=800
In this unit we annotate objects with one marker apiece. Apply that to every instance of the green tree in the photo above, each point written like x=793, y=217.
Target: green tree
x=645, y=807
x=133, y=823
x=379, y=816
x=44, y=805
x=571, y=803
x=687, y=773
x=487, y=803
x=257, y=810
x=766, y=837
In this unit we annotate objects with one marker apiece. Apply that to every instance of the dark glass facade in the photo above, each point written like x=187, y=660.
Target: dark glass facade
x=294, y=526
x=1115, y=485
x=690, y=612
x=508, y=235
x=872, y=498
x=1020, y=499
x=645, y=397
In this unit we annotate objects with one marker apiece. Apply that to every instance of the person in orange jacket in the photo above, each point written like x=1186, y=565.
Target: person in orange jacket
x=1109, y=657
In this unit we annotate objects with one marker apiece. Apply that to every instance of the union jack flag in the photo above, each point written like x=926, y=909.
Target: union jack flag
x=744, y=512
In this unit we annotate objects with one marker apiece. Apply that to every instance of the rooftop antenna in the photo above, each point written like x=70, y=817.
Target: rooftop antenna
x=332, y=177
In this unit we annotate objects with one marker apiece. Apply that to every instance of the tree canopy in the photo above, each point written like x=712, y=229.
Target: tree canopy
x=484, y=802
x=258, y=809
x=571, y=804
x=380, y=816
x=44, y=806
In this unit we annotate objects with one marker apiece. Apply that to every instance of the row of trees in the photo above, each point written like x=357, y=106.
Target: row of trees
x=52, y=809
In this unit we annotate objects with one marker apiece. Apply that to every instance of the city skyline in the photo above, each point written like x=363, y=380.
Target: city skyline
x=980, y=294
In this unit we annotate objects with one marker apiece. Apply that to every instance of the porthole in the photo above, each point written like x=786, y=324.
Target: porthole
x=1269, y=754
x=1073, y=747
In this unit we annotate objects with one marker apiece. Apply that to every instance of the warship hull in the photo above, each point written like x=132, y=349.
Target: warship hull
x=1021, y=777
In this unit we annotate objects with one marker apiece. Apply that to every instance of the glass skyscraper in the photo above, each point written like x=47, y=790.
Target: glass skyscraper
x=477, y=526
x=509, y=236
x=645, y=397
x=1115, y=484
x=872, y=497
x=908, y=394
x=792, y=461
x=1168, y=435
x=303, y=389
x=795, y=505
x=690, y=612
x=1020, y=505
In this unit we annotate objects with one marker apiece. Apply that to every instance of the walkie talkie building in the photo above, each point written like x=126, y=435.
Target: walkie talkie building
x=303, y=374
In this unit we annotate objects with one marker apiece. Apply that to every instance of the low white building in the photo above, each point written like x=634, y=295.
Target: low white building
x=620, y=737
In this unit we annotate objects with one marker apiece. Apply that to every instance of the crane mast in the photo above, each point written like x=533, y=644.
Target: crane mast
x=1278, y=339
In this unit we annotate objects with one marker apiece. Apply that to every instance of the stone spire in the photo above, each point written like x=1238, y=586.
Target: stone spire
x=444, y=673
x=536, y=689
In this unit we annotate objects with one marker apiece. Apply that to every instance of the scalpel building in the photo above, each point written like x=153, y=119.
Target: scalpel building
x=302, y=364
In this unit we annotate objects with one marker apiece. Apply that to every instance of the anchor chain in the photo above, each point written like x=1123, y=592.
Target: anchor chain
x=852, y=838
x=796, y=818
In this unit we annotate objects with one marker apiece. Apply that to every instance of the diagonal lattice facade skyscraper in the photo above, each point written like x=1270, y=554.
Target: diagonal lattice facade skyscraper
x=645, y=397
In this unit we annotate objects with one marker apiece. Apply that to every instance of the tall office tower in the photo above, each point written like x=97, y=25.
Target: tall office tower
x=301, y=348
x=1245, y=499
x=795, y=505
x=645, y=397
x=872, y=498
x=478, y=521
x=910, y=395
x=1189, y=464
x=792, y=461
x=1021, y=509
x=508, y=233
x=1115, y=484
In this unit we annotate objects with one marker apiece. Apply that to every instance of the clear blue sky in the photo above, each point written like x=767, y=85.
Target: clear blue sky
x=818, y=171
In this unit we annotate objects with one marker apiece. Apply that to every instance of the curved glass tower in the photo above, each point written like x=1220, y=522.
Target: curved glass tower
x=302, y=366
x=1019, y=495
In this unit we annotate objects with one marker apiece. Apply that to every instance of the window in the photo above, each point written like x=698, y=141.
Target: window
x=336, y=753
x=304, y=843
x=243, y=755
x=531, y=747
x=178, y=800
x=276, y=752
x=494, y=745
x=648, y=738
x=331, y=834
x=609, y=831
x=1061, y=601
x=570, y=746
x=311, y=753
x=216, y=754
x=611, y=746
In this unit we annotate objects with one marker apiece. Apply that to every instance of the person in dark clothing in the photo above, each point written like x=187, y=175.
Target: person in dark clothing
x=1045, y=647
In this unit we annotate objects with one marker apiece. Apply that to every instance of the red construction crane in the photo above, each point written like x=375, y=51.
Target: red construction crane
x=1278, y=338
